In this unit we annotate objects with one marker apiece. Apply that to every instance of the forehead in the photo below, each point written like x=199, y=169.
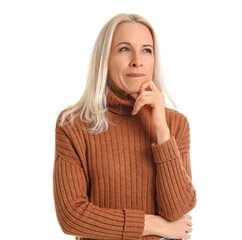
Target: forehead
x=132, y=32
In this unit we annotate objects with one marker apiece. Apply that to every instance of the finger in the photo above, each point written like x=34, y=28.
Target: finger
x=189, y=223
x=189, y=216
x=148, y=84
x=186, y=216
x=187, y=236
x=189, y=229
x=141, y=103
x=142, y=95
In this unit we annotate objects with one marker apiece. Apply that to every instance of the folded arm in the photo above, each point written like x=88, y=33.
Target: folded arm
x=176, y=195
x=75, y=213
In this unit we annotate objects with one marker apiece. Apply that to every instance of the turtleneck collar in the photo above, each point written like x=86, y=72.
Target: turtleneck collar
x=117, y=103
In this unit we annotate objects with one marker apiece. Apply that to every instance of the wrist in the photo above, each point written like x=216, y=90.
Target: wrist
x=155, y=225
x=147, y=227
x=163, y=226
x=162, y=135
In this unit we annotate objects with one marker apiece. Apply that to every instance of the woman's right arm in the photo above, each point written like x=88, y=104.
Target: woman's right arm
x=156, y=225
x=76, y=215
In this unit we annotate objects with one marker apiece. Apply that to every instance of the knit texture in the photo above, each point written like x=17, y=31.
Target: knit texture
x=104, y=184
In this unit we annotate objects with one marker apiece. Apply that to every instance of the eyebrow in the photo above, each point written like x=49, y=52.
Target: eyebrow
x=145, y=45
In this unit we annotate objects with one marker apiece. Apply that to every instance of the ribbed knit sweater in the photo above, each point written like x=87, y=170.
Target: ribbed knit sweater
x=104, y=184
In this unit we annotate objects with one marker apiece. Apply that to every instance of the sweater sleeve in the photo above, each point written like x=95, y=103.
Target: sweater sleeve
x=78, y=216
x=175, y=193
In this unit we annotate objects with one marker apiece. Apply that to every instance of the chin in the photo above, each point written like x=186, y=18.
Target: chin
x=133, y=92
x=134, y=88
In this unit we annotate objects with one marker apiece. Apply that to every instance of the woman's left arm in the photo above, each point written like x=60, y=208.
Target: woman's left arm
x=176, y=195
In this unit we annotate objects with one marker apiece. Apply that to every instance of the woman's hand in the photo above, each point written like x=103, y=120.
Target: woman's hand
x=179, y=229
x=154, y=98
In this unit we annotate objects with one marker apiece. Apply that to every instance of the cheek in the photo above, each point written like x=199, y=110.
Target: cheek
x=118, y=65
x=112, y=66
x=150, y=67
x=116, y=70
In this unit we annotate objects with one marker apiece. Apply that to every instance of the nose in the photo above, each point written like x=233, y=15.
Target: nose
x=136, y=61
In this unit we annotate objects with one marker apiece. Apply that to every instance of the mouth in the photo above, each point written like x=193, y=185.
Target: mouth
x=135, y=75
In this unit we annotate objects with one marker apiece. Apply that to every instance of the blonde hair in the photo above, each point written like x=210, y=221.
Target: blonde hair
x=91, y=107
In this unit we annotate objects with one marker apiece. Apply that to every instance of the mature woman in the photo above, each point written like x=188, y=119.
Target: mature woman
x=122, y=157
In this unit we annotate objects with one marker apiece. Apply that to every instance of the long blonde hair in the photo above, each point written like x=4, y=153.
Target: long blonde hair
x=91, y=107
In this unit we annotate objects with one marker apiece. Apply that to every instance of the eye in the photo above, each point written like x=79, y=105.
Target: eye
x=123, y=48
x=149, y=50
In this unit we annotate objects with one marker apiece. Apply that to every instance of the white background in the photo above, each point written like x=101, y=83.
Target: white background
x=44, y=52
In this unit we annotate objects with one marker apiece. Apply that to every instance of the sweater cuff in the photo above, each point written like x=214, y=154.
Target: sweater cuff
x=165, y=151
x=133, y=224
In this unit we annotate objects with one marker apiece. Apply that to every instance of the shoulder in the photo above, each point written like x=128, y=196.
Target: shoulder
x=62, y=124
x=71, y=122
x=68, y=124
x=62, y=114
x=67, y=118
x=69, y=133
x=172, y=113
x=176, y=121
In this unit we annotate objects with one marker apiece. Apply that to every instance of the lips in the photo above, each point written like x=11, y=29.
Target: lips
x=135, y=74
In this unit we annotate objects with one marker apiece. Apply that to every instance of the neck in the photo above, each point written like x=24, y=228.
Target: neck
x=118, y=101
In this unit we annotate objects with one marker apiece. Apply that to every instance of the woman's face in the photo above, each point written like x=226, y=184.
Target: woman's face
x=131, y=53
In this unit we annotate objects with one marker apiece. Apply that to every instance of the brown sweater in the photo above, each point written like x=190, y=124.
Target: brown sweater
x=105, y=183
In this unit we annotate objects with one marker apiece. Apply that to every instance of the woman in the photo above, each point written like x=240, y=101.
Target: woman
x=122, y=157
